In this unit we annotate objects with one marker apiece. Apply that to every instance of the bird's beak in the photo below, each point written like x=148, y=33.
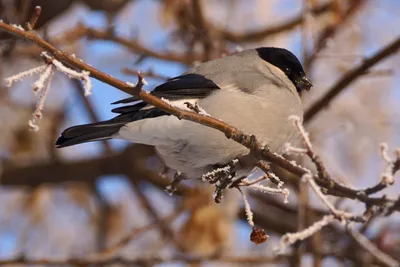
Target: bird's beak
x=303, y=83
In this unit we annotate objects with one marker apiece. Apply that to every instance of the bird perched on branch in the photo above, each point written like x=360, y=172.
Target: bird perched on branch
x=254, y=90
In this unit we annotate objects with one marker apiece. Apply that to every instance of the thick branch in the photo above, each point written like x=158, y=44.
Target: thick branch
x=130, y=162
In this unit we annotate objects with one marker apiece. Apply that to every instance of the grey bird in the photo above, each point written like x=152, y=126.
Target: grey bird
x=255, y=90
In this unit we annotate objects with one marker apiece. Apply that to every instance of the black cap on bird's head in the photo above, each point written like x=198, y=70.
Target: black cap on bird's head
x=288, y=63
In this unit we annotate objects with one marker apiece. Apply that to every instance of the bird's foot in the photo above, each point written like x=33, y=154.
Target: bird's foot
x=222, y=177
x=178, y=177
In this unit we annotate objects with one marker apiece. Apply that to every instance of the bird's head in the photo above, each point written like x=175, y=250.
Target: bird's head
x=288, y=63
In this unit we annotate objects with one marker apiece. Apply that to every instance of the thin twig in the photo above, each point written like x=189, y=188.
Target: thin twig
x=32, y=22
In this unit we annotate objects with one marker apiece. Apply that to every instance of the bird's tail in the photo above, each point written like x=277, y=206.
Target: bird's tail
x=88, y=133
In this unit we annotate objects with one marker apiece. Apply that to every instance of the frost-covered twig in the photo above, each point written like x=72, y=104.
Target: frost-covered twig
x=18, y=77
x=247, y=182
x=338, y=213
x=269, y=190
x=291, y=238
x=289, y=149
x=257, y=235
x=387, y=175
x=83, y=76
x=309, y=149
x=264, y=166
x=304, y=135
x=249, y=213
x=42, y=87
x=44, y=77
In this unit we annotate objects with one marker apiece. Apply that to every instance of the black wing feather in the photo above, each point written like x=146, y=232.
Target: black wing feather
x=131, y=108
x=181, y=87
x=185, y=86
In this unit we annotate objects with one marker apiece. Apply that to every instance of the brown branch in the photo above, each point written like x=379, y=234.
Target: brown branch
x=81, y=31
x=349, y=78
x=330, y=31
x=32, y=22
x=272, y=30
x=203, y=29
x=129, y=162
x=263, y=153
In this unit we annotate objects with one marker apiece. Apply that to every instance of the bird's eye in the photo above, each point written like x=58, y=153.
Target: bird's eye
x=288, y=70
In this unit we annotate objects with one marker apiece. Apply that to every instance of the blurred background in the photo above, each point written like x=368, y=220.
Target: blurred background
x=107, y=199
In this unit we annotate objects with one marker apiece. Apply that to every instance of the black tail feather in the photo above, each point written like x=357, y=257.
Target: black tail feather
x=87, y=133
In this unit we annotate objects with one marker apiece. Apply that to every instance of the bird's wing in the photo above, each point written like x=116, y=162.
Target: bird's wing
x=186, y=86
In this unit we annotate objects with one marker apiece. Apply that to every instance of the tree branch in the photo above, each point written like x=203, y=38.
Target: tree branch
x=272, y=30
x=133, y=45
x=349, y=78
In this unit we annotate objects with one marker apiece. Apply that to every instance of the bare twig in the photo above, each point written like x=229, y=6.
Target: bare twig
x=32, y=22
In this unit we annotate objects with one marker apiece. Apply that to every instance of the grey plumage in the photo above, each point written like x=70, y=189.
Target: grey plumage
x=243, y=90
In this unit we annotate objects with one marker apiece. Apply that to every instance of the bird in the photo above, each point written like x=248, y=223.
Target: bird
x=255, y=90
